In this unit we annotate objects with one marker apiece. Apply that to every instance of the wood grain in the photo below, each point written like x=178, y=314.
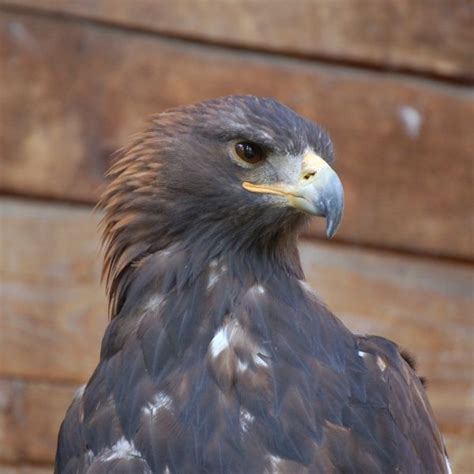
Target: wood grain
x=30, y=416
x=54, y=315
x=53, y=307
x=432, y=36
x=404, y=146
x=25, y=469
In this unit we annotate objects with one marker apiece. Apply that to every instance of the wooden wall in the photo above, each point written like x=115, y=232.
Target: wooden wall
x=392, y=81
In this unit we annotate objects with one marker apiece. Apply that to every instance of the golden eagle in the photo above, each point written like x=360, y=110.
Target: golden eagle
x=218, y=357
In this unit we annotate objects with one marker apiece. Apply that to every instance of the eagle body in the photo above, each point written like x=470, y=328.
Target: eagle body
x=219, y=358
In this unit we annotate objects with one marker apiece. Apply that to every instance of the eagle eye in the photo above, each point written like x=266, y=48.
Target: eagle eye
x=249, y=152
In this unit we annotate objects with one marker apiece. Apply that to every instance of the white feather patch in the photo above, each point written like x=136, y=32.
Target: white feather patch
x=219, y=342
x=259, y=360
x=275, y=461
x=161, y=400
x=231, y=336
x=246, y=419
x=381, y=364
x=154, y=303
x=215, y=272
x=122, y=449
x=242, y=366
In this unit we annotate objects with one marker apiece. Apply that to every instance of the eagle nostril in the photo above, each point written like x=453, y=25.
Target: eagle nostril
x=307, y=176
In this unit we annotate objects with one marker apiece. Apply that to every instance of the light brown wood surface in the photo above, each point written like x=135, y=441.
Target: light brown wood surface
x=53, y=306
x=404, y=146
x=30, y=415
x=54, y=314
x=25, y=469
x=431, y=36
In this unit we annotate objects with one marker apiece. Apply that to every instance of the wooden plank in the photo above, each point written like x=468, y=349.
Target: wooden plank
x=30, y=416
x=424, y=305
x=404, y=147
x=432, y=36
x=51, y=294
x=25, y=469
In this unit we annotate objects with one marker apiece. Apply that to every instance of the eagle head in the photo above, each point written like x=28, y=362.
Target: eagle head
x=233, y=173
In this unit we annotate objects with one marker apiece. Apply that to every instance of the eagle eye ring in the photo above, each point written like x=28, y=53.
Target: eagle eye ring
x=249, y=152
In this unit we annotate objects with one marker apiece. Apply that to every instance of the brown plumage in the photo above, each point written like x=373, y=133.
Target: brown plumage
x=218, y=357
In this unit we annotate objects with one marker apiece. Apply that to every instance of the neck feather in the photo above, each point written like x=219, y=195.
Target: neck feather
x=181, y=266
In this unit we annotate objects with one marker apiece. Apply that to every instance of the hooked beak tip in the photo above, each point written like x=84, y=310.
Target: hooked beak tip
x=331, y=227
x=334, y=208
x=329, y=200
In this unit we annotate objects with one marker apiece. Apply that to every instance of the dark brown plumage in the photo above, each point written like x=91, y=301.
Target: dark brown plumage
x=218, y=357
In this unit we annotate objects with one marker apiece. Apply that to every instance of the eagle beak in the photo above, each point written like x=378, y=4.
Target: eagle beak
x=318, y=192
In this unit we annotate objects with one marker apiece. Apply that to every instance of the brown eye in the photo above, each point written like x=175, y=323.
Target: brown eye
x=249, y=152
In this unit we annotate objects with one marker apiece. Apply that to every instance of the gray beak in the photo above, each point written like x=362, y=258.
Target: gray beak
x=323, y=196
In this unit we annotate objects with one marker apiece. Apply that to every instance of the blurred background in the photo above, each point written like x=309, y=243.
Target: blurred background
x=392, y=82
